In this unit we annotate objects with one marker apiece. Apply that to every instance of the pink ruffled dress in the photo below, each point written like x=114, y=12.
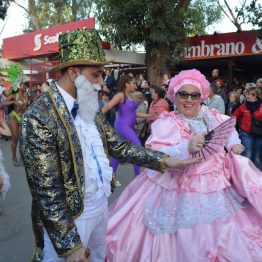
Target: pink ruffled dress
x=211, y=211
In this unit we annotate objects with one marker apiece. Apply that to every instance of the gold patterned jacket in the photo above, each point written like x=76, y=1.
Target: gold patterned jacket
x=53, y=160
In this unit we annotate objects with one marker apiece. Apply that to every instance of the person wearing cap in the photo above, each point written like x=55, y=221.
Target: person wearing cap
x=65, y=144
x=249, y=85
x=210, y=211
x=221, y=90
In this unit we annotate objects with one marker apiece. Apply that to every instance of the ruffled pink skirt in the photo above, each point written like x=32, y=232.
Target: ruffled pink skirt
x=152, y=223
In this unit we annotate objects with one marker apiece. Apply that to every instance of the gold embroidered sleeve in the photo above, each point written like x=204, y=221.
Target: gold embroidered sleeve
x=38, y=148
x=128, y=152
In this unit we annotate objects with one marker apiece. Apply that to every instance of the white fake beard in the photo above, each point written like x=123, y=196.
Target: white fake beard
x=87, y=98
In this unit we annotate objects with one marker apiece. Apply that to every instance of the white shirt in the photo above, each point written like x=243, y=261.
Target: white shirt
x=97, y=184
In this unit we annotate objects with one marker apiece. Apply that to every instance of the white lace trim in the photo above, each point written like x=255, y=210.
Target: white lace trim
x=185, y=210
x=4, y=176
x=93, y=140
x=204, y=122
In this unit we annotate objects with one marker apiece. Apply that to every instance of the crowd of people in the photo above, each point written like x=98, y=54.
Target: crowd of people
x=201, y=186
x=232, y=96
x=241, y=101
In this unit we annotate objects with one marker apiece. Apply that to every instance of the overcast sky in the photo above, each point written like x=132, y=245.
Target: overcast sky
x=16, y=21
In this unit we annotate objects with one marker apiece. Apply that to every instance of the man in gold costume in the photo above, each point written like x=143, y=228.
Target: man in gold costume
x=65, y=144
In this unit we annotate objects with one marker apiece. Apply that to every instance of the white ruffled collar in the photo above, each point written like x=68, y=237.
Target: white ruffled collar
x=203, y=122
x=94, y=142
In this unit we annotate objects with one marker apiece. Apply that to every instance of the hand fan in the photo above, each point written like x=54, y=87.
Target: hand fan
x=216, y=139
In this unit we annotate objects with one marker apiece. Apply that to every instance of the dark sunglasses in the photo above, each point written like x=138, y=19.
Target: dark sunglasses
x=185, y=95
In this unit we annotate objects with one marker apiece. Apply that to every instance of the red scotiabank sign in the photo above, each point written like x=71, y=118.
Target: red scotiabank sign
x=42, y=42
x=223, y=45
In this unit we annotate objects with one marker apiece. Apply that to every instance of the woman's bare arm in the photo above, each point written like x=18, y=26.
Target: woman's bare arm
x=117, y=99
x=9, y=101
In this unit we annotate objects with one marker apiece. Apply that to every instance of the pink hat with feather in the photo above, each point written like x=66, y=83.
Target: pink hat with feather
x=188, y=77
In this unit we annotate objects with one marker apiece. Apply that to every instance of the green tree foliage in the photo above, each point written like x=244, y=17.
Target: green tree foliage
x=200, y=14
x=160, y=25
x=4, y=4
x=242, y=12
x=132, y=22
x=46, y=13
x=155, y=24
x=254, y=13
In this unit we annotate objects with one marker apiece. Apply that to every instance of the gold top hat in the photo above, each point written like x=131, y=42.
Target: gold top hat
x=81, y=47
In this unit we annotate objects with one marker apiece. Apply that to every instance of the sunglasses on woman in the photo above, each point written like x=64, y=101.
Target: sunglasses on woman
x=185, y=95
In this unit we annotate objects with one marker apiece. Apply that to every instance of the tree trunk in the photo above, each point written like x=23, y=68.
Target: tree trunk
x=157, y=54
x=238, y=26
x=157, y=64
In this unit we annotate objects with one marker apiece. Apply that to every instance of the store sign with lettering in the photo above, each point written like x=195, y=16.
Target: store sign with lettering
x=223, y=45
x=43, y=42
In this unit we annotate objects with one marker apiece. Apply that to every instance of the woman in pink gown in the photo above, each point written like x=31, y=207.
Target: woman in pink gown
x=210, y=211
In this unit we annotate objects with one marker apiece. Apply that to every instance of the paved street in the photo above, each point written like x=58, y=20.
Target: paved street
x=16, y=236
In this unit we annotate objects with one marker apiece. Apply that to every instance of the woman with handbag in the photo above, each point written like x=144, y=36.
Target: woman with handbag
x=249, y=116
